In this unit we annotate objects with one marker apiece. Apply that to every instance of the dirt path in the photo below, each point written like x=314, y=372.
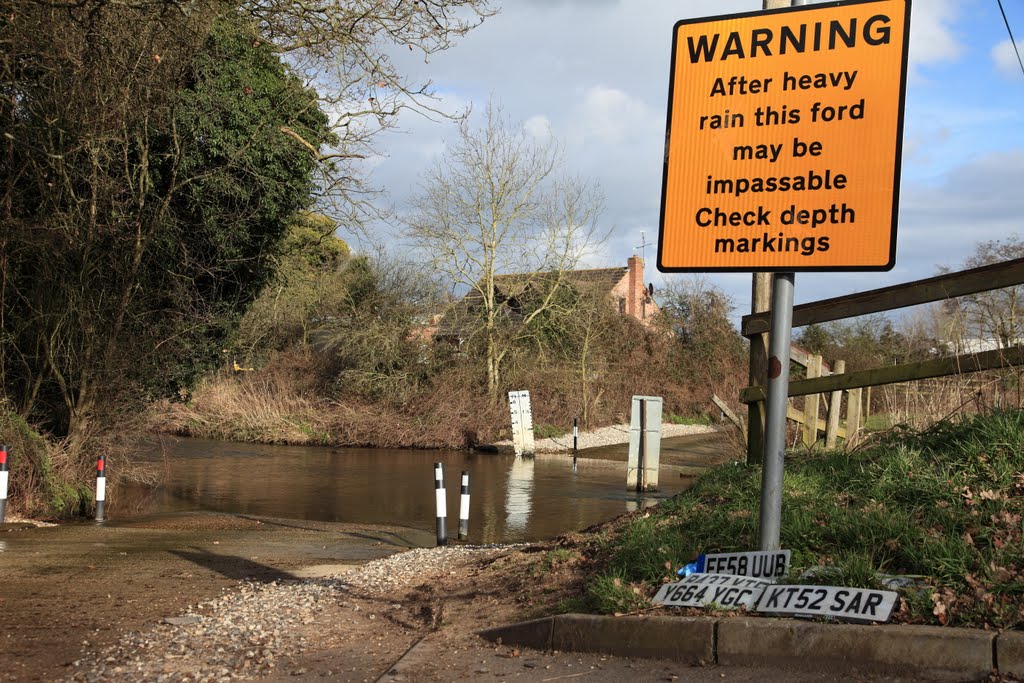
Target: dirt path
x=94, y=604
x=68, y=590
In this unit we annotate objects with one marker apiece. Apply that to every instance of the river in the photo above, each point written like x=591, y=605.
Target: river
x=512, y=499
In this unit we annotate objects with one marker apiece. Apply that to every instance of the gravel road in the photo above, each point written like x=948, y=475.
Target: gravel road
x=609, y=436
x=263, y=629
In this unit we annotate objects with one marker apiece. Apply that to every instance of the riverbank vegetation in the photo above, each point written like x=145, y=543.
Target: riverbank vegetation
x=171, y=247
x=365, y=377
x=942, y=506
x=153, y=158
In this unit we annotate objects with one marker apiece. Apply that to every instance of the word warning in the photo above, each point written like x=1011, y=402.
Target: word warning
x=704, y=590
x=783, y=140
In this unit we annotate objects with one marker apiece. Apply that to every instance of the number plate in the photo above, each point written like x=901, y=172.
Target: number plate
x=703, y=590
x=859, y=604
x=760, y=564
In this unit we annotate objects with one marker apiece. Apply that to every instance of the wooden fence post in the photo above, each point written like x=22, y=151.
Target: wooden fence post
x=760, y=302
x=835, y=401
x=811, y=403
x=853, y=416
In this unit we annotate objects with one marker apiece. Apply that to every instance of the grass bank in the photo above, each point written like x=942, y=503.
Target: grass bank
x=45, y=480
x=944, y=504
x=278, y=408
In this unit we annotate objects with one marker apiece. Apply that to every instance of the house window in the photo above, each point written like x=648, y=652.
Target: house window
x=622, y=306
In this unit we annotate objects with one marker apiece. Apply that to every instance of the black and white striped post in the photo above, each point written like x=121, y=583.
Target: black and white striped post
x=4, y=468
x=575, y=440
x=464, y=507
x=441, y=499
x=101, y=486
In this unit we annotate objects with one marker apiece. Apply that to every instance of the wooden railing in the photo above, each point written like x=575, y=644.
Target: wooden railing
x=940, y=288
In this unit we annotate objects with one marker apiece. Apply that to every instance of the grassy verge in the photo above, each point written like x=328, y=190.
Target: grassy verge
x=944, y=504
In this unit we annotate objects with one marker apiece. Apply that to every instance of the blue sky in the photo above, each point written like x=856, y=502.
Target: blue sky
x=596, y=73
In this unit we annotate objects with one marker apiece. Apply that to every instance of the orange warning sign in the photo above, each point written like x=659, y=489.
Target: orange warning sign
x=783, y=139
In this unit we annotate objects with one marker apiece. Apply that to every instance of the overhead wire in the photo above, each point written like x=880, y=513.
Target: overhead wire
x=1012, y=41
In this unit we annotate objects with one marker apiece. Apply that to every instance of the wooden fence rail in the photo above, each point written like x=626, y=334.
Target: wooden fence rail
x=940, y=288
x=938, y=367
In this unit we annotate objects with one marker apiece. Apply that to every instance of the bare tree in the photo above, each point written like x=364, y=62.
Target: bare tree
x=348, y=50
x=995, y=317
x=497, y=204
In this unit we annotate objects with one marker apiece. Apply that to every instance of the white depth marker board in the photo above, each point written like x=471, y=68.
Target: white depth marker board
x=522, y=422
x=652, y=445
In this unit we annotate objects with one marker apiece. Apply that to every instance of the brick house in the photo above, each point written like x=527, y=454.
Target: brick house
x=630, y=295
x=624, y=286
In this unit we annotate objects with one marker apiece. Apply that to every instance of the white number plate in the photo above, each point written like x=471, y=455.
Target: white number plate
x=860, y=604
x=702, y=590
x=761, y=564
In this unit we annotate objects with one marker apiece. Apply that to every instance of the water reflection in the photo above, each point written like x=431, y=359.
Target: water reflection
x=519, y=495
x=640, y=503
x=513, y=499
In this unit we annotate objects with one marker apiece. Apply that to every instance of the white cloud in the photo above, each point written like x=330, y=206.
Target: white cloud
x=610, y=116
x=1005, y=58
x=538, y=127
x=977, y=201
x=932, y=36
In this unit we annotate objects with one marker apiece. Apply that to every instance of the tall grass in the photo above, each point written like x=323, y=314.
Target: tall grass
x=945, y=503
x=251, y=407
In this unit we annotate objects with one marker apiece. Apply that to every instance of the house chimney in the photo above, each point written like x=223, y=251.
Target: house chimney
x=636, y=282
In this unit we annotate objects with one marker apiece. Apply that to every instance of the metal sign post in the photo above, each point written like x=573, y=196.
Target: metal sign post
x=775, y=420
x=774, y=454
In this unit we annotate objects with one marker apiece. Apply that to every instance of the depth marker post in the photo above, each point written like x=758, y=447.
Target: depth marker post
x=441, y=500
x=575, y=441
x=4, y=469
x=101, y=486
x=464, y=507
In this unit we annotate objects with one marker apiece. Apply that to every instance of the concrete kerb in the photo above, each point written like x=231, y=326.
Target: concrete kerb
x=1009, y=653
x=934, y=652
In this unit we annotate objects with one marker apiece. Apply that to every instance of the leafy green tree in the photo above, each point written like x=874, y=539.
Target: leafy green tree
x=311, y=284
x=148, y=182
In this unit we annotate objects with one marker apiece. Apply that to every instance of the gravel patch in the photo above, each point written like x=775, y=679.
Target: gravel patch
x=246, y=632
x=612, y=435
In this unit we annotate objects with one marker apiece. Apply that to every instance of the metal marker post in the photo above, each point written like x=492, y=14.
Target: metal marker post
x=775, y=421
x=101, y=487
x=641, y=473
x=464, y=507
x=4, y=469
x=575, y=440
x=441, y=500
